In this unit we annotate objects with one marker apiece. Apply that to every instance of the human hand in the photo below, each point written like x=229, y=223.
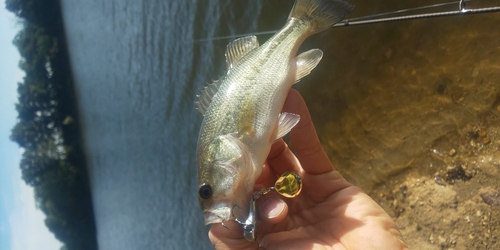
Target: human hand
x=330, y=213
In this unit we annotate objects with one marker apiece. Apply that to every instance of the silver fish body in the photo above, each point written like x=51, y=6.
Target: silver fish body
x=242, y=110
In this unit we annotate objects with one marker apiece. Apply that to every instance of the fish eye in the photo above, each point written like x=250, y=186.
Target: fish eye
x=205, y=191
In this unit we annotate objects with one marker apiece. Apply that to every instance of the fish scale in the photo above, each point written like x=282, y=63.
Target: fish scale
x=242, y=119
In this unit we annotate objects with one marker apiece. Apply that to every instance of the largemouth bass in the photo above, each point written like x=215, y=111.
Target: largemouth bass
x=241, y=110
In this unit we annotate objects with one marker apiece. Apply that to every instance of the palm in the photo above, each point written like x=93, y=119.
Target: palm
x=330, y=213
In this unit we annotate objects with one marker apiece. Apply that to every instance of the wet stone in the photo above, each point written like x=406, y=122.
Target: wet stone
x=491, y=198
x=486, y=140
x=439, y=180
x=482, y=133
x=473, y=134
x=404, y=190
x=452, y=152
x=457, y=173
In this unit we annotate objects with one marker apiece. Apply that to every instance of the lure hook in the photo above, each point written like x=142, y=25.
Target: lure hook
x=288, y=185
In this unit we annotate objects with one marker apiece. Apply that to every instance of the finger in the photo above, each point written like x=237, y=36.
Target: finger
x=271, y=211
x=305, y=141
x=229, y=237
x=281, y=159
x=272, y=208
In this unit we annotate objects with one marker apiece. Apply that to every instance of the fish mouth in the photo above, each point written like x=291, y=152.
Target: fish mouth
x=218, y=215
x=212, y=218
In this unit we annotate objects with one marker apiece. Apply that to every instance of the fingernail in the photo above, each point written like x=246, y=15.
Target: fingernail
x=273, y=207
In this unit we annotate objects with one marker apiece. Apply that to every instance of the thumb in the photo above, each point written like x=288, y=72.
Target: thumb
x=272, y=209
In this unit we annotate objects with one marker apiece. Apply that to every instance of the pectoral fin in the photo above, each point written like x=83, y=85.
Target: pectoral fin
x=306, y=62
x=229, y=152
x=286, y=122
x=224, y=148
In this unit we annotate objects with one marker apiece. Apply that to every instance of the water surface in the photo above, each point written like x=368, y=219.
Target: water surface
x=136, y=72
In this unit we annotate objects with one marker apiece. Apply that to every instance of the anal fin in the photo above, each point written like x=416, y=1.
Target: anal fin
x=286, y=122
x=306, y=62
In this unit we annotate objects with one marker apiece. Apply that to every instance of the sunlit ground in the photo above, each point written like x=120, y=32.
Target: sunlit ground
x=410, y=111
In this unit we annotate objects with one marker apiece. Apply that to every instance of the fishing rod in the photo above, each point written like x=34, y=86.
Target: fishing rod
x=461, y=11
x=371, y=19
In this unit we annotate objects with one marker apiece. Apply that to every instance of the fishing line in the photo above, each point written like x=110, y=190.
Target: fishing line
x=235, y=36
x=363, y=20
x=407, y=10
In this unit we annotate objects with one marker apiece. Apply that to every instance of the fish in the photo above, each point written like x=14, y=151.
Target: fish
x=241, y=111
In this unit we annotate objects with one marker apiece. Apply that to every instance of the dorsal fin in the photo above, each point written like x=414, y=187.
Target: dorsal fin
x=236, y=49
x=306, y=62
x=206, y=95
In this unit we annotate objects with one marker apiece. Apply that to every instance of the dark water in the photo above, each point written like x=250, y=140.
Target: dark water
x=380, y=98
x=136, y=74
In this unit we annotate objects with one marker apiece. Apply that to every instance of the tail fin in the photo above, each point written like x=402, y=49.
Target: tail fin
x=322, y=14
